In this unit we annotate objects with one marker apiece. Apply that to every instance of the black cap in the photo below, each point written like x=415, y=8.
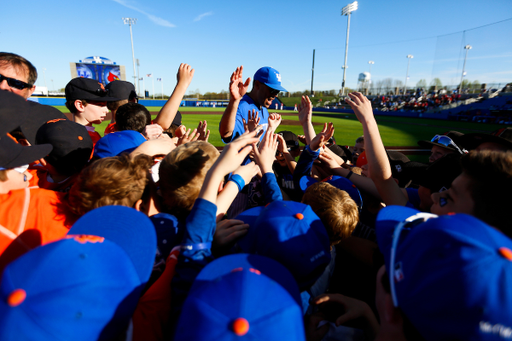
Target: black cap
x=13, y=111
x=398, y=162
x=87, y=89
x=290, y=138
x=342, y=151
x=501, y=136
x=453, y=135
x=14, y=155
x=440, y=174
x=39, y=114
x=72, y=145
x=121, y=89
x=177, y=119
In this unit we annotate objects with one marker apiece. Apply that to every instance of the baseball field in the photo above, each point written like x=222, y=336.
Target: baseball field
x=395, y=131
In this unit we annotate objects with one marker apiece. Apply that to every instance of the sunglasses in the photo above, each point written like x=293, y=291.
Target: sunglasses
x=273, y=92
x=14, y=83
x=395, y=273
x=446, y=141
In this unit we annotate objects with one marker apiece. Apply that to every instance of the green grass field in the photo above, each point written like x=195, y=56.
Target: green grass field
x=395, y=131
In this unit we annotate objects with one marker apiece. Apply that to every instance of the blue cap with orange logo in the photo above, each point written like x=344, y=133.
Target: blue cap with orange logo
x=83, y=287
x=242, y=296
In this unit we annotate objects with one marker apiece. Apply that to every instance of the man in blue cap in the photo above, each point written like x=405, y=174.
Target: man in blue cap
x=265, y=88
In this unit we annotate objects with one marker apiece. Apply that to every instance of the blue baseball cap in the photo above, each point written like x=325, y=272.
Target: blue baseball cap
x=118, y=142
x=291, y=233
x=79, y=288
x=339, y=182
x=128, y=228
x=270, y=77
x=241, y=296
x=450, y=274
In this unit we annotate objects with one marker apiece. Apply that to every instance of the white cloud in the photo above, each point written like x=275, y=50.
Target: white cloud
x=157, y=20
x=201, y=16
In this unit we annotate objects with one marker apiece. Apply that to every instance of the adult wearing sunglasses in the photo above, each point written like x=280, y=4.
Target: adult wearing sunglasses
x=265, y=88
x=443, y=144
x=17, y=74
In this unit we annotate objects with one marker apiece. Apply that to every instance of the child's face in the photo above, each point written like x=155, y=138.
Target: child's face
x=457, y=198
x=358, y=149
x=17, y=178
x=95, y=112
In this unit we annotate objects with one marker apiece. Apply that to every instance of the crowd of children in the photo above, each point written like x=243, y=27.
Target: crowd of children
x=151, y=233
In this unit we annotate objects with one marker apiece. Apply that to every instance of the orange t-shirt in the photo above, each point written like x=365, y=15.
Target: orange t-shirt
x=31, y=217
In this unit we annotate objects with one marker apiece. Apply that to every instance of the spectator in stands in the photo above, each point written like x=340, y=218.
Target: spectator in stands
x=17, y=74
x=266, y=87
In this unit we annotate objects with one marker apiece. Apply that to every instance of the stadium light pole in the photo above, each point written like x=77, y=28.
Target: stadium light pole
x=371, y=62
x=138, y=77
x=44, y=76
x=346, y=11
x=313, y=73
x=467, y=48
x=130, y=22
x=409, y=57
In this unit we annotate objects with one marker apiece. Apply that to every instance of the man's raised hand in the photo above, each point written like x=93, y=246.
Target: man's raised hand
x=237, y=87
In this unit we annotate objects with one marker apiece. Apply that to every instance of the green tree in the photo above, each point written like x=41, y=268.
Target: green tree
x=421, y=84
x=435, y=84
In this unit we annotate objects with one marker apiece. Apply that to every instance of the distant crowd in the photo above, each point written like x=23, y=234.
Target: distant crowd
x=147, y=232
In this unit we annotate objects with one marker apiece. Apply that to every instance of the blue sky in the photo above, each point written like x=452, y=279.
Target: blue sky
x=217, y=36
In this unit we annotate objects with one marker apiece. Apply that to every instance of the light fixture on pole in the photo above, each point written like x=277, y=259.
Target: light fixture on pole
x=409, y=57
x=467, y=48
x=346, y=11
x=130, y=22
x=371, y=62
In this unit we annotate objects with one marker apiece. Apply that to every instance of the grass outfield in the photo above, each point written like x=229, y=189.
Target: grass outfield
x=395, y=131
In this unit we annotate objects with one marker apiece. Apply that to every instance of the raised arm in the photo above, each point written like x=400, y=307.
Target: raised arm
x=378, y=162
x=237, y=90
x=305, y=115
x=169, y=110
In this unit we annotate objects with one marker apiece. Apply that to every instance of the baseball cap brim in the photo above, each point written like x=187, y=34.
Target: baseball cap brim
x=276, y=86
x=428, y=144
x=14, y=155
x=39, y=115
x=473, y=140
x=387, y=220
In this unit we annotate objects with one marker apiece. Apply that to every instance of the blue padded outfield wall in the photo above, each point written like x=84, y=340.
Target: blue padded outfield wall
x=444, y=115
